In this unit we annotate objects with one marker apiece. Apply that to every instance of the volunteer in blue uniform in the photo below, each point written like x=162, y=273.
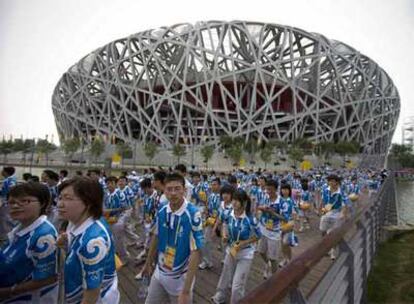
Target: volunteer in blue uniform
x=335, y=208
x=269, y=223
x=241, y=231
x=176, y=244
x=211, y=213
x=90, y=275
x=8, y=182
x=28, y=258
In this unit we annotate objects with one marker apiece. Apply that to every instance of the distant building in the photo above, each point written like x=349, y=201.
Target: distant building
x=192, y=84
x=408, y=131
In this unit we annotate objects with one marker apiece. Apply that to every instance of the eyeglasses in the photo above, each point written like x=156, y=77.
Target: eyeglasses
x=21, y=203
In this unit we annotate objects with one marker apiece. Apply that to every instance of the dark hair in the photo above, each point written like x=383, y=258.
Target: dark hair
x=79, y=173
x=38, y=190
x=145, y=183
x=52, y=175
x=34, y=179
x=112, y=179
x=64, y=172
x=334, y=177
x=195, y=174
x=174, y=177
x=9, y=170
x=27, y=176
x=181, y=168
x=232, y=179
x=227, y=189
x=241, y=196
x=286, y=186
x=123, y=177
x=272, y=183
x=89, y=191
x=305, y=185
x=217, y=180
x=263, y=178
x=160, y=176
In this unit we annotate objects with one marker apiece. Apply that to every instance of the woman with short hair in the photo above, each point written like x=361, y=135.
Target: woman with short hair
x=90, y=275
x=28, y=258
x=241, y=230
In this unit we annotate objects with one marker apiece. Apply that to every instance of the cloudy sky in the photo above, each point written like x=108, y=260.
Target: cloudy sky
x=41, y=39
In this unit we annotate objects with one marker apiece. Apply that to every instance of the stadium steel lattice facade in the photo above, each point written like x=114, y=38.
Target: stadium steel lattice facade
x=191, y=84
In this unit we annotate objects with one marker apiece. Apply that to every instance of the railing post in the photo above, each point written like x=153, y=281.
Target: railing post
x=364, y=264
x=344, y=247
x=296, y=296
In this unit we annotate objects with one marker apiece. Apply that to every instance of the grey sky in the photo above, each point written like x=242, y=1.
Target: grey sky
x=41, y=39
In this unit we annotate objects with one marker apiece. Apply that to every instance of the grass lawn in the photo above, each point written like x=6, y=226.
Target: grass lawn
x=391, y=279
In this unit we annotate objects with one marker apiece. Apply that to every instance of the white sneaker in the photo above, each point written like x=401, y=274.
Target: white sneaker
x=283, y=263
x=205, y=265
x=142, y=255
x=215, y=300
x=332, y=254
x=138, y=276
x=267, y=271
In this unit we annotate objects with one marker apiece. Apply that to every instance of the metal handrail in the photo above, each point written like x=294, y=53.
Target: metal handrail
x=287, y=279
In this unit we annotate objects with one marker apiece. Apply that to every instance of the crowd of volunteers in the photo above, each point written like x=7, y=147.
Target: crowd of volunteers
x=63, y=238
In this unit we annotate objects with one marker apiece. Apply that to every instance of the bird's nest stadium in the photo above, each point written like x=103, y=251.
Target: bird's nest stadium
x=193, y=83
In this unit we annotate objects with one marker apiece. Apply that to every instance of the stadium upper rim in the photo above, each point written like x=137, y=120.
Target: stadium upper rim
x=192, y=84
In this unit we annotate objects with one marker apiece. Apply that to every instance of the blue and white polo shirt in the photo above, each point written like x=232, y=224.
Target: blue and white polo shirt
x=30, y=254
x=181, y=231
x=90, y=262
x=240, y=229
x=270, y=224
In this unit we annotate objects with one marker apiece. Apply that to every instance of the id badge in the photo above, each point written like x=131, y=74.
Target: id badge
x=169, y=256
x=269, y=225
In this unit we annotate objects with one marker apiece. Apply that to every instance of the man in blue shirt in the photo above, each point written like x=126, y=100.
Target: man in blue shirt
x=335, y=208
x=8, y=182
x=176, y=242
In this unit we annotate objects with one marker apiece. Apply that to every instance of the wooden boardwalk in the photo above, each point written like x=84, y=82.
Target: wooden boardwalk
x=206, y=280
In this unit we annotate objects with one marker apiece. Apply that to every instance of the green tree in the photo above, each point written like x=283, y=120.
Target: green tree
x=124, y=149
x=304, y=144
x=251, y=147
x=6, y=147
x=178, y=151
x=150, y=150
x=296, y=155
x=324, y=149
x=397, y=149
x=97, y=147
x=235, y=153
x=45, y=147
x=207, y=152
x=70, y=146
x=266, y=154
x=345, y=148
x=23, y=146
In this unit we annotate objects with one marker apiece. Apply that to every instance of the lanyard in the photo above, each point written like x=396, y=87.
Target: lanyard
x=240, y=228
x=176, y=230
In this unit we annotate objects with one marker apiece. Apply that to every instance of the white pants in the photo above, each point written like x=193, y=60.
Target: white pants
x=236, y=272
x=207, y=249
x=157, y=294
x=329, y=221
x=118, y=230
x=269, y=247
